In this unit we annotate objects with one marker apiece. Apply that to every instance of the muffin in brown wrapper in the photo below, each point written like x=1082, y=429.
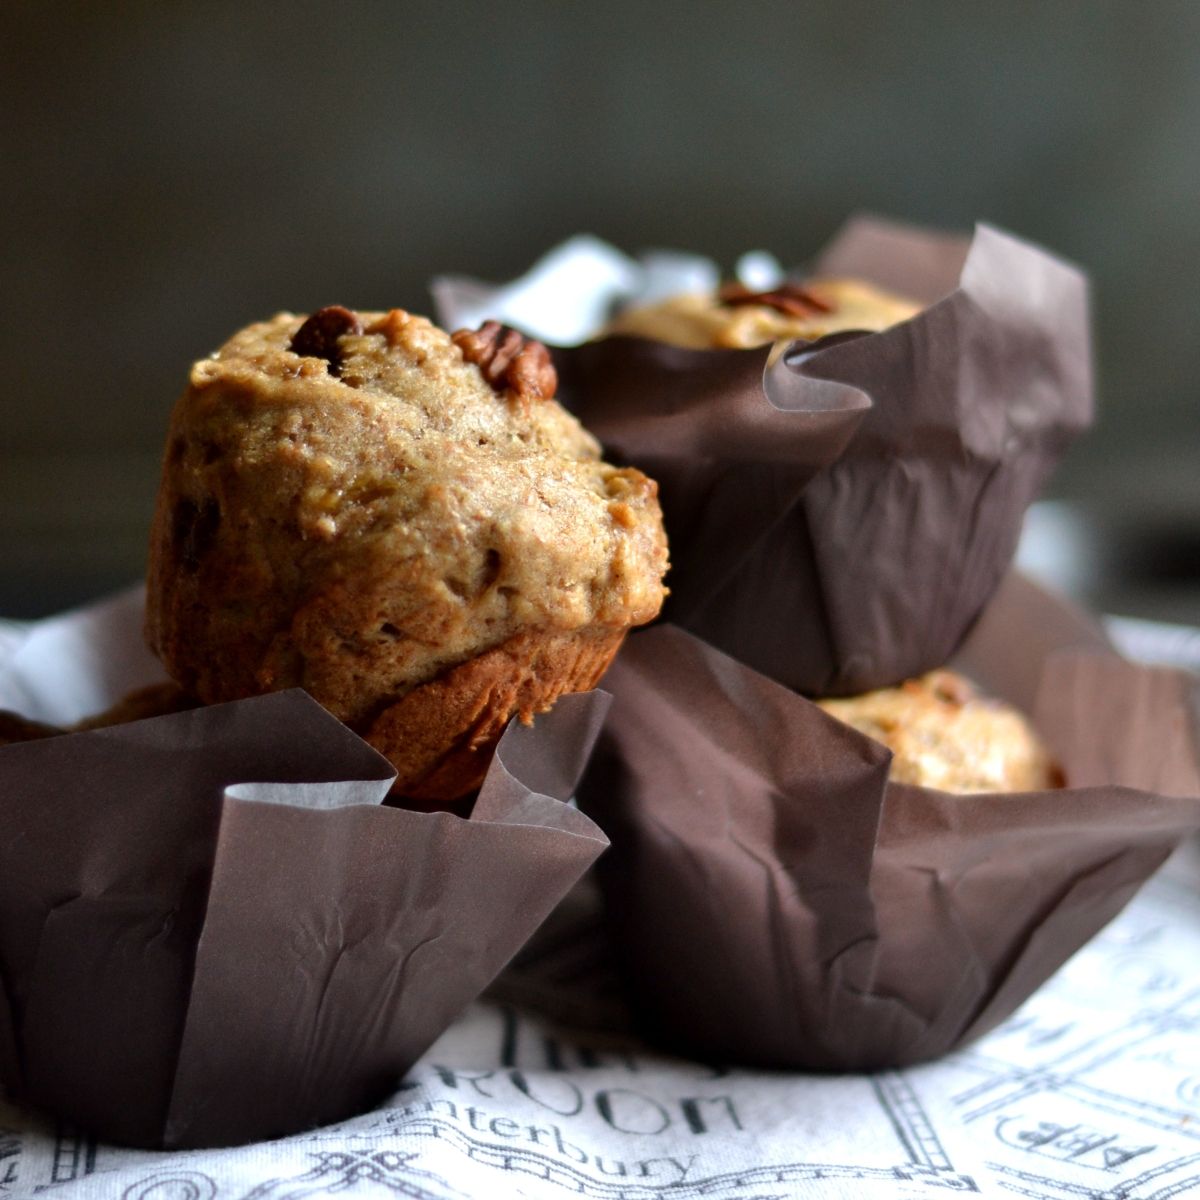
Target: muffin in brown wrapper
x=735, y=317
x=208, y=936
x=870, y=567
x=404, y=523
x=780, y=903
x=737, y=434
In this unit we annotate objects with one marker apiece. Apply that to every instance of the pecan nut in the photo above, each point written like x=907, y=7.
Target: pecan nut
x=508, y=360
x=788, y=298
x=318, y=336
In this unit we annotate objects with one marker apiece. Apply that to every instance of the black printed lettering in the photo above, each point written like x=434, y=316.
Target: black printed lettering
x=721, y=1112
x=563, y=1098
x=452, y=1078
x=628, y=1111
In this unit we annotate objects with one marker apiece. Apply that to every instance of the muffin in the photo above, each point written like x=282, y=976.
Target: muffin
x=736, y=318
x=405, y=524
x=944, y=734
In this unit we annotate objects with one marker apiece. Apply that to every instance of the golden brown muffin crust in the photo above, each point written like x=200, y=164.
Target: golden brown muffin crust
x=732, y=322
x=359, y=519
x=440, y=735
x=943, y=734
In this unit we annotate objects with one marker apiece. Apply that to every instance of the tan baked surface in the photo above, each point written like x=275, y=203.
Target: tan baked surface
x=943, y=734
x=440, y=736
x=360, y=534
x=702, y=322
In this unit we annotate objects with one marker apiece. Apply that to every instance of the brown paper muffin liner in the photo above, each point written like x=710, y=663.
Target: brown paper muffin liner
x=840, y=515
x=212, y=931
x=779, y=903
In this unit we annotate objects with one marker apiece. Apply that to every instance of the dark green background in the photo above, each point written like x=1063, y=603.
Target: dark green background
x=174, y=171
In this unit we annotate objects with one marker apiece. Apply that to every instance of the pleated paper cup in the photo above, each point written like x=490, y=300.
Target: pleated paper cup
x=213, y=930
x=840, y=511
x=778, y=902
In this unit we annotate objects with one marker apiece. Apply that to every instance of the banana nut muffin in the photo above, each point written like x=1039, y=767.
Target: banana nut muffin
x=735, y=318
x=944, y=734
x=405, y=524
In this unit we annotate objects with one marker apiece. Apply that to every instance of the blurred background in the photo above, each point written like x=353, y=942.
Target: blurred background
x=172, y=172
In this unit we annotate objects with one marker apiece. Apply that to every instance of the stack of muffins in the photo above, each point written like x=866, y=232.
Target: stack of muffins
x=829, y=849
x=940, y=730
x=409, y=526
x=844, y=462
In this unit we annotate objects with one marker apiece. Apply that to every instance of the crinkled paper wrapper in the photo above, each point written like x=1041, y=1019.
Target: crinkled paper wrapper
x=839, y=512
x=213, y=931
x=779, y=903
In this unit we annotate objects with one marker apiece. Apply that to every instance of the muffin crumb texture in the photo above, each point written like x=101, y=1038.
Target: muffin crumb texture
x=944, y=734
x=349, y=506
x=737, y=319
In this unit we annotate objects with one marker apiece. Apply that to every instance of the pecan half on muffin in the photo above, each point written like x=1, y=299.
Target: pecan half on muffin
x=736, y=318
x=403, y=523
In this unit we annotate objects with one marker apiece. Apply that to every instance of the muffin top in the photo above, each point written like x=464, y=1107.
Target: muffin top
x=943, y=734
x=736, y=318
x=353, y=502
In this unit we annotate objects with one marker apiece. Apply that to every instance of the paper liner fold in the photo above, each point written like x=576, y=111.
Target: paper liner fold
x=778, y=903
x=212, y=931
x=732, y=437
